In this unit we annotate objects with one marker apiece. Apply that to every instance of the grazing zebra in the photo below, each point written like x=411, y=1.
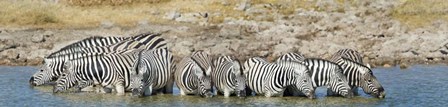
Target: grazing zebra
x=52, y=66
x=152, y=71
x=326, y=73
x=107, y=70
x=358, y=74
x=191, y=77
x=271, y=79
x=87, y=42
x=228, y=78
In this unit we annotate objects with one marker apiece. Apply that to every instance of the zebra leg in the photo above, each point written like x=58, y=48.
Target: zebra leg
x=169, y=86
x=148, y=90
x=268, y=94
x=219, y=93
x=289, y=91
x=248, y=91
x=120, y=88
x=182, y=92
x=226, y=93
x=355, y=91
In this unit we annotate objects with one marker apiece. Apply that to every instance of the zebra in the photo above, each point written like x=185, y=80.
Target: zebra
x=52, y=66
x=87, y=42
x=152, y=71
x=191, y=77
x=291, y=56
x=357, y=74
x=107, y=70
x=227, y=77
x=327, y=73
x=271, y=79
x=145, y=40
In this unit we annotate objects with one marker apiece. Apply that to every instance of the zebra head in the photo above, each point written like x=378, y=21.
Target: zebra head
x=240, y=80
x=371, y=85
x=139, y=78
x=303, y=81
x=204, y=82
x=66, y=80
x=46, y=73
x=365, y=78
x=339, y=83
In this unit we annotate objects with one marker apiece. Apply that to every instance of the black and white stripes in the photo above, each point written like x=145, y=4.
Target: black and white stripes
x=152, y=71
x=358, y=75
x=192, y=75
x=270, y=79
x=228, y=78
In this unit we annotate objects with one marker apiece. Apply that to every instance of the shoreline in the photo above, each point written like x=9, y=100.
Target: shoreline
x=370, y=27
x=16, y=51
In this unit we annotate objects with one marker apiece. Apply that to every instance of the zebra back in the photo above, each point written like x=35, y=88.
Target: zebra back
x=203, y=60
x=291, y=57
x=348, y=54
x=85, y=43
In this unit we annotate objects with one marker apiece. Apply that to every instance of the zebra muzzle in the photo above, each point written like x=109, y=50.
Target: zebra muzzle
x=32, y=81
x=137, y=92
x=241, y=93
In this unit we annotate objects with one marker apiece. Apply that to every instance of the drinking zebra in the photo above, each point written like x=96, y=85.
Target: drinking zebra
x=358, y=74
x=270, y=79
x=106, y=70
x=228, y=78
x=192, y=75
x=152, y=71
x=291, y=90
x=52, y=67
x=326, y=73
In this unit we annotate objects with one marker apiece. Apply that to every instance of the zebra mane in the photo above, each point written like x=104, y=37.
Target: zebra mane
x=344, y=52
x=355, y=62
x=331, y=62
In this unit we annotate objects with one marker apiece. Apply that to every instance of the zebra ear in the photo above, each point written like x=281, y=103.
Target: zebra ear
x=198, y=72
x=368, y=66
x=208, y=71
x=236, y=68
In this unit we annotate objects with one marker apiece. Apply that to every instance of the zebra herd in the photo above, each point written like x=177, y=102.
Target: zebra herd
x=143, y=65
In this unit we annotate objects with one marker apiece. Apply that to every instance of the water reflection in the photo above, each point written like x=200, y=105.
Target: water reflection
x=417, y=86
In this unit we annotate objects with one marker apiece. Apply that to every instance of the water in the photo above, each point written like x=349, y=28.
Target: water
x=420, y=85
